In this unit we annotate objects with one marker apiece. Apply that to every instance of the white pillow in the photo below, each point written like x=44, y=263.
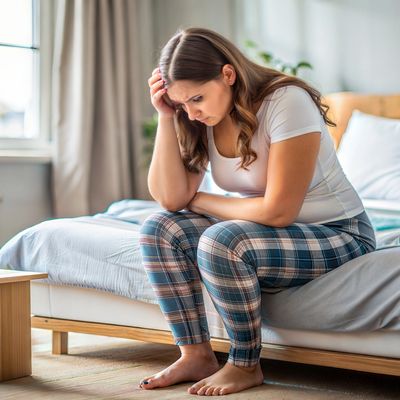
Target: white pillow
x=370, y=156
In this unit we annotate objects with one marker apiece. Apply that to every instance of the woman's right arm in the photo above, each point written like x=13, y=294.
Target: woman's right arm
x=170, y=184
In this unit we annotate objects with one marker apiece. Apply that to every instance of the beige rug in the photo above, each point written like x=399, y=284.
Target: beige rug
x=109, y=368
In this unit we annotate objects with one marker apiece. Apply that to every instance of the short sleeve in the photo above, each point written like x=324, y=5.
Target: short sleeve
x=291, y=112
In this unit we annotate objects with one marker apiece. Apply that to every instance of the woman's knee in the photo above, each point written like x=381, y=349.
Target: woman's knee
x=161, y=225
x=218, y=242
x=172, y=227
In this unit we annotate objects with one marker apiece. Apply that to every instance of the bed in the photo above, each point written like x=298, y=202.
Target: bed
x=348, y=318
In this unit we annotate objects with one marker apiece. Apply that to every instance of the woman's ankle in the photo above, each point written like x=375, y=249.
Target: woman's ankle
x=248, y=368
x=200, y=349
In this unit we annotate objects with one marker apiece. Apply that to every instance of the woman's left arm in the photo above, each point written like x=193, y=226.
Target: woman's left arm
x=291, y=165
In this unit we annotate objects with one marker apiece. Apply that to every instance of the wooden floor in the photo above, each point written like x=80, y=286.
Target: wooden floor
x=109, y=368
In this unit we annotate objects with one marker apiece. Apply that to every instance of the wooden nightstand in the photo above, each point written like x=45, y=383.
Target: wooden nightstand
x=15, y=323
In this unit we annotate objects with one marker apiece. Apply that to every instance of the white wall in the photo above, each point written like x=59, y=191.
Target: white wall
x=24, y=196
x=352, y=44
x=173, y=14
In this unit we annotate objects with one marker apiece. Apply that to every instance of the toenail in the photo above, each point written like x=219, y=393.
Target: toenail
x=145, y=382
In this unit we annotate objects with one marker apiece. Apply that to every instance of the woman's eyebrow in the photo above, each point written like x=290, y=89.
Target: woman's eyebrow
x=191, y=98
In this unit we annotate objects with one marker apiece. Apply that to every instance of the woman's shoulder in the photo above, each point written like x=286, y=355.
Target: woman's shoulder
x=288, y=110
x=289, y=92
x=289, y=98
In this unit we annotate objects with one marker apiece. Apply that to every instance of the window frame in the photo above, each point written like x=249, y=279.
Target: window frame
x=42, y=11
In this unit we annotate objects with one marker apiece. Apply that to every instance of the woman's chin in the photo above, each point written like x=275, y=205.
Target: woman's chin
x=210, y=121
x=204, y=121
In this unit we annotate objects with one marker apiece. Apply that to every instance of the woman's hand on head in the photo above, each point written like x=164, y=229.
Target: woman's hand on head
x=157, y=91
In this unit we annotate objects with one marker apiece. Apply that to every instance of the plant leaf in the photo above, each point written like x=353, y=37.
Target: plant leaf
x=250, y=44
x=304, y=64
x=266, y=57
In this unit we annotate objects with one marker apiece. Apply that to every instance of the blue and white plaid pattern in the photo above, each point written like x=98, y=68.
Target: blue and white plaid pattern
x=235, y=259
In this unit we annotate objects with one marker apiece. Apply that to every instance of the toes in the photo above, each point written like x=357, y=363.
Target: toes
x=145, y=382
x=224, y=391
x=191, y=390
x=151, y=383
x=196, y=387
x=216, y=391
x=210, y=391
x=202, y=390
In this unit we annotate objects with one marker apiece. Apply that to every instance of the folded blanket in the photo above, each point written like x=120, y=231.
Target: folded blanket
x=382, y=223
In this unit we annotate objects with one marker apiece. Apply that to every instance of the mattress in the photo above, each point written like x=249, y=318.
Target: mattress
x=101, y=307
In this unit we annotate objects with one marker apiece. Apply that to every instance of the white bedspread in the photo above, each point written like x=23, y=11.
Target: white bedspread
x=100, y=252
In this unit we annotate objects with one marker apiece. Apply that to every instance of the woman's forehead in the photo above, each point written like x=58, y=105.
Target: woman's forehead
x=183, y=90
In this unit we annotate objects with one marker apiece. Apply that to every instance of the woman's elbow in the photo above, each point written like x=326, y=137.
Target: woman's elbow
x=171, y=205
x=282, y=220
x=167, y=202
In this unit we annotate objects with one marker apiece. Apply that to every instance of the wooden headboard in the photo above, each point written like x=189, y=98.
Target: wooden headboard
x=342, y=105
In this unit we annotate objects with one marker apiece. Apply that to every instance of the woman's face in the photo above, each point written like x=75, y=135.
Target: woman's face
x=208, y=103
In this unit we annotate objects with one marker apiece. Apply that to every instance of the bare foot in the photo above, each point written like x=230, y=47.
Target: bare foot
x=189, y=367
x=229, y=379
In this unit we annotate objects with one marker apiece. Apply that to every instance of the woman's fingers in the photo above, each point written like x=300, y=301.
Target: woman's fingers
x=157, y=88
x=159, y=94
x=155, y=76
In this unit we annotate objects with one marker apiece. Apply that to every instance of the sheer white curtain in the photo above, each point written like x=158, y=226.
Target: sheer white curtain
x=93, y=105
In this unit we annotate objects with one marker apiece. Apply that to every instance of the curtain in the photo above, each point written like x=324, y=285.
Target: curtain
x=94, y=128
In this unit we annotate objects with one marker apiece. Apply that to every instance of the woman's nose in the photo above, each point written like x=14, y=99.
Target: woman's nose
x=192, y=112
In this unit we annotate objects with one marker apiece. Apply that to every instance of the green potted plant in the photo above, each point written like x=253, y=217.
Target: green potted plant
x=149, y=129
x=269, y=60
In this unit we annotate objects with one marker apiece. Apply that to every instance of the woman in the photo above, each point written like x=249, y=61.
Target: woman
x=264, y=134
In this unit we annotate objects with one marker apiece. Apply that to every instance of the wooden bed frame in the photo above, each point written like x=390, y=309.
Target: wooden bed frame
x=302, y=355
x=341, y=106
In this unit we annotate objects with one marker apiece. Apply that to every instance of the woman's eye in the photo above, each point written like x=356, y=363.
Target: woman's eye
x=198, y=99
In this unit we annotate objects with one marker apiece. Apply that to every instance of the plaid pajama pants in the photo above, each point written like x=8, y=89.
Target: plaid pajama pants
x=235, y=259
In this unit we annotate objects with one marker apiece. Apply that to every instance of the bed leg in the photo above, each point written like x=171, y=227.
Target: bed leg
x=60, y=342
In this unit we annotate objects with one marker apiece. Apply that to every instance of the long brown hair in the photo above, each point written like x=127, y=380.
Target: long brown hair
x=198, y=54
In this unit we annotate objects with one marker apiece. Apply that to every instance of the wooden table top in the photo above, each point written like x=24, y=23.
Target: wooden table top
x=8, y=275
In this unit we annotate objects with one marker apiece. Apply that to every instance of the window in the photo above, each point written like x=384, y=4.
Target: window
x=24, y=73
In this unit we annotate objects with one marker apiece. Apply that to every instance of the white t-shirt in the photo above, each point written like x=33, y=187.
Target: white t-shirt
x=286, y=113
